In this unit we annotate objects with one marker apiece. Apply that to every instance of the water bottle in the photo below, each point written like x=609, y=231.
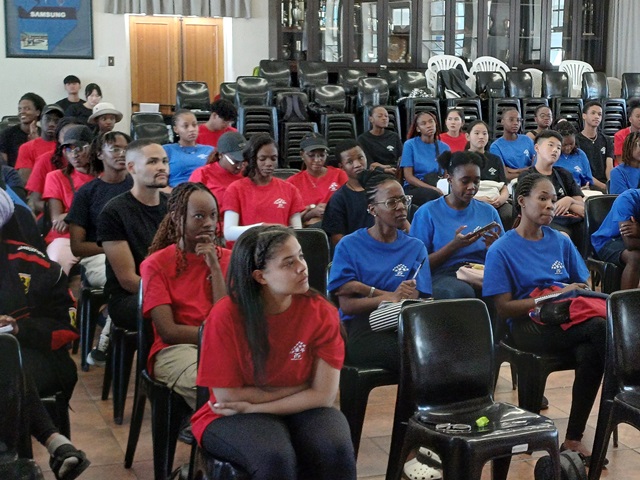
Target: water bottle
x=376, y=96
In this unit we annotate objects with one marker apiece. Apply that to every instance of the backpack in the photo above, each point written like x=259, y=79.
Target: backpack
x=292, y=108
x=571, y=467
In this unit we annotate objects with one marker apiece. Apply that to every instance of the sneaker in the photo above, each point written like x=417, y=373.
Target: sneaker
x=98, y=356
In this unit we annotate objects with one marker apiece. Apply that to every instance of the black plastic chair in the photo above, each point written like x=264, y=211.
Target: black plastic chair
x=569, y=109
x=118, y=371
x=471, y=107
x=594, y=86
x=138, y=118
x=372, y=91
x=409, y=80
x=410, y=107
x=348, y=78
x=276, y=72
x=13, y=431
x=312, y=75
x=519, y=84
x=334, y=96
x=490, y=84
x=529, y=107
x=630, y=85
x=393, y=79
x=292, y=135
x=496, y=107
x=604, y=274
x=614, y=115
x=620, y=399
x=252, y=91
x=156, y=132
x=394, y=119
x=555, y=84
x=447, y=372
x=254, y=119
x=315, y=247
x=168, y=409
x=91, y=298
x=228, y=91
x=194, y=96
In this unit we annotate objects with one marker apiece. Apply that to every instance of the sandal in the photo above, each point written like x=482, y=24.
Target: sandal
x=414, y=470
x=64, y=452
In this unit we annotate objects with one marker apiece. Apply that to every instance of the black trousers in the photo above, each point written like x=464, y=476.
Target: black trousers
x=366, y=348
x=123, y=310
x=586, y=341
x=314, y=444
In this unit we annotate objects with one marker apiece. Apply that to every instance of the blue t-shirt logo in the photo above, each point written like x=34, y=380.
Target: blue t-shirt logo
x=400, y=270
x=526, y=153
x=558, y=266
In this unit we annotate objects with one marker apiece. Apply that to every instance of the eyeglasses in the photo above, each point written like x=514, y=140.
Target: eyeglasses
x=453, y=427
x=392, y=203
x=117, y=150
x=75, y=151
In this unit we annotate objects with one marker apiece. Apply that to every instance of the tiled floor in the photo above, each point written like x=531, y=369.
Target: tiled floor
x=104, y=442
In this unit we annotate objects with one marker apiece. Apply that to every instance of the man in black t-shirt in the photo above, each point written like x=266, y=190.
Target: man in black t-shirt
x=127, y=225
x=72, y=86
x=382, y=147
x=597, y=147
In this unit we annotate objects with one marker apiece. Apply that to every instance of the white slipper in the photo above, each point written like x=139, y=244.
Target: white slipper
x=414, y=470
x=429, y=457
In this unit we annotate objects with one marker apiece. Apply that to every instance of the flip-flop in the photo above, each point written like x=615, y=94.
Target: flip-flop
x=414, y=470
x=61, y=454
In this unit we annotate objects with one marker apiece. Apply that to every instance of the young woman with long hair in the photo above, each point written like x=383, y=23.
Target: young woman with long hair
x=454, y=136
x=419, y=165
x=627, y=174
x=271, y=358
x=182, y=278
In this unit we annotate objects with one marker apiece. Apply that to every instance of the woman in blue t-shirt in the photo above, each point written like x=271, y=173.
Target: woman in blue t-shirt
x=419, y=165
x=627, y=174
x=573, y=159
x=375, y=264
x=534, y=255
x=448, y=226
x=186, y=155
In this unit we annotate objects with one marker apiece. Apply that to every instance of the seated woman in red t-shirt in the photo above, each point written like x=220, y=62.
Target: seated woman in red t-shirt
x=260, y=197
x=271, y=356
x=223, y=167
x=316, y=181
x=182, y=278
x=59, y=188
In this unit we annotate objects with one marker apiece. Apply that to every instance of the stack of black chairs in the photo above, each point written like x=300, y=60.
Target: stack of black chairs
x=255, y=119
x=631, y=86
x=348, y=78
x=278, y=76
x=555, y=87
x=292, y=131
x=335, y=124
x=372, y=91
x=520, y=85
x=614, y=110
x=312, y=75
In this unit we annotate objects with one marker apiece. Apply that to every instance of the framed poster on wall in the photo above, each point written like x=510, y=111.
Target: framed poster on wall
x=49, y=28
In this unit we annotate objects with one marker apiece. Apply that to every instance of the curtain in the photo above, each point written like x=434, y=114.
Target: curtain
x=622, y=50
x=200, y=8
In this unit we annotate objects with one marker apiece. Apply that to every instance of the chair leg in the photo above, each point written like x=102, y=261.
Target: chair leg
x=615, y=437
x=87, y=329
x=499, y=468
x=108, y=374
x=124, y=350
x=160, y=436
x=353, y=404
x=601, y=440
x=137, y=415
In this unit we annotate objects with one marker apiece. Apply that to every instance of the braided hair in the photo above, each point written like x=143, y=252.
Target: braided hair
x=449, y=161
x=627, y=147
x=172, y=228
x=251, y=252
x=371, y=181
x=524, y=187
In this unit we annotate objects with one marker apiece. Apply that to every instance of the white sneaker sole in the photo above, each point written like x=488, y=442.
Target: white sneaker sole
x=414, y=470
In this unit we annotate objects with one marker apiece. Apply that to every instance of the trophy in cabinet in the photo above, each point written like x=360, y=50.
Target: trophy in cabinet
x=587, y=17
x=298, y=14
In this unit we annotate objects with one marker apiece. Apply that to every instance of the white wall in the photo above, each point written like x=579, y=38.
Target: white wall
x=246, y=43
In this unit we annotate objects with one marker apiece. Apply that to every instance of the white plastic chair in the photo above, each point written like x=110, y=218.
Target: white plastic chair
x=489, y=64
x=442, y=62
x=536, y=75
x=574, y=69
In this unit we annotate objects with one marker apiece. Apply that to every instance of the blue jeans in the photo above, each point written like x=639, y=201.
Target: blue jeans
x=446, y=285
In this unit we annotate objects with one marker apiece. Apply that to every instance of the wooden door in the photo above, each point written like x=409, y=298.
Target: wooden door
x=166, y=50
x=155, y=60
x=203, y=51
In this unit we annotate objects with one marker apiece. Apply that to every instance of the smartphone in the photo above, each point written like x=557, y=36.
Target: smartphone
x=486, y=228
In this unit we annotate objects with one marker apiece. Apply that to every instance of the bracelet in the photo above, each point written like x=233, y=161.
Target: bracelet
x=373, y=289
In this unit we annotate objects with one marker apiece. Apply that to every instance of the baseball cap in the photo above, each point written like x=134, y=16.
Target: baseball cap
x=313, y=142
x=77, y=134
x=71, y=79
x=232, y=144
x=53, y=108
x=104, y=108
